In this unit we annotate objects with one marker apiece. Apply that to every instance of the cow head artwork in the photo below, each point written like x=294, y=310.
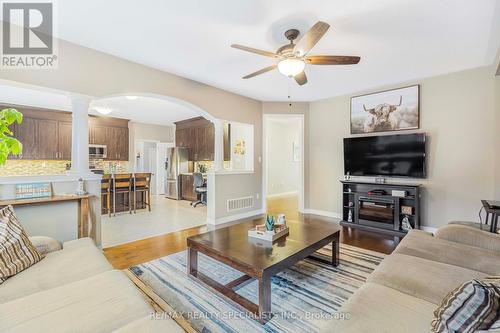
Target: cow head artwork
x=381, y=117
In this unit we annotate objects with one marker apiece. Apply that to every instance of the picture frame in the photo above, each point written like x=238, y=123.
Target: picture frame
x=386, y=111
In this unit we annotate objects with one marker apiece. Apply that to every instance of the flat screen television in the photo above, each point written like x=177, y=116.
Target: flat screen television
x=401, y=155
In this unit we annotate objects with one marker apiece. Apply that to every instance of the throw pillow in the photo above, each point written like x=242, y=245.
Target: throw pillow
x=474, y=306
x=16, y=251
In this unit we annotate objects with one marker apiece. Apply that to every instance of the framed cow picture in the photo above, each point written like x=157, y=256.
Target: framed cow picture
x=386, y=111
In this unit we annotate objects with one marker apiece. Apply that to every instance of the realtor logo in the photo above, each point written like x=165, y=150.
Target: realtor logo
x=27, y=35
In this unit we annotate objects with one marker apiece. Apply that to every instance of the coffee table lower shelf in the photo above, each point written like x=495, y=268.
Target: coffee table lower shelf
x=262, y=311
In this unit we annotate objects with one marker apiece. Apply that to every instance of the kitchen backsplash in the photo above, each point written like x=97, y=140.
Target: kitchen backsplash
x=112, y=166
x=207, y=165
x=33, y=168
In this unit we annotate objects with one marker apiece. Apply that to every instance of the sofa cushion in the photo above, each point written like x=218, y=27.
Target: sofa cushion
x=101, y=303
x=473, y=306
x=422, y=278
x=375, y=308
x=79, y=260
x=16, y=251
x=423, y=245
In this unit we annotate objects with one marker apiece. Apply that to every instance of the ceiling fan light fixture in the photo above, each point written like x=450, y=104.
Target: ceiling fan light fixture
x=131, y=97
x=291, y=67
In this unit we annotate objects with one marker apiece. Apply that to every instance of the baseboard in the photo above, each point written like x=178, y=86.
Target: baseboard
x=282, y=194
x=235, y=217
x=323, y=213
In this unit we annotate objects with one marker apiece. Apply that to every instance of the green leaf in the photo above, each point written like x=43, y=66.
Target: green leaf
x=9, y=144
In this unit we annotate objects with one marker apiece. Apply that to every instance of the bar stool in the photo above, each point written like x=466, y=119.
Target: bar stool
x=106, y=192
x=122, y=184
x=142, y=183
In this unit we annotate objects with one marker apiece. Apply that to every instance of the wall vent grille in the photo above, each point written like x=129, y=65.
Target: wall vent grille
x=239, y=203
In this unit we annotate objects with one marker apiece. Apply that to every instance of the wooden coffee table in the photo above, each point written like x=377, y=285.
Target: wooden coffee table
x=233, y=247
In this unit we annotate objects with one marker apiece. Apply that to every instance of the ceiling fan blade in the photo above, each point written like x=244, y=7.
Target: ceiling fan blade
x=301, y=78
x=332, y=60
x=256, y=51
x=262, y=71
x=307, y=42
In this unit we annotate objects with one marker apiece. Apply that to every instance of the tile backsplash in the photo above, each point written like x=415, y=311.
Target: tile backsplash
x=34, y=168
x=112, y=166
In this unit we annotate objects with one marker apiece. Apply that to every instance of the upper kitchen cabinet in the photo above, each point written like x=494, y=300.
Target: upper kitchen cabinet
x=45, y=134
x=113, y=133
x=65, y=130
x=197, y=134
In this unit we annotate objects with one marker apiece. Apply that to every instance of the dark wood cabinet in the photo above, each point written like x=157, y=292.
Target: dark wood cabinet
x=117, y=143
x=48, y=139
x=197, y=134
x=27, y=134
x=65, y=130
x=97, y=134
x=187, y=189
x=113, y=133
x=45, y=134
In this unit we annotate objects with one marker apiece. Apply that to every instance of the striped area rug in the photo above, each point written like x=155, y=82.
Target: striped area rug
x=305, y=297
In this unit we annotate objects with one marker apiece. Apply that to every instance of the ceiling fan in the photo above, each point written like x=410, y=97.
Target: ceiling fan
x=293, y=57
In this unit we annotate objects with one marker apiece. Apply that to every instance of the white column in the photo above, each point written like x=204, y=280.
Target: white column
x=80, y=135
x=219, y=145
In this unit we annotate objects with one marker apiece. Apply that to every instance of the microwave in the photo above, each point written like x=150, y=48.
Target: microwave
x=98, y=151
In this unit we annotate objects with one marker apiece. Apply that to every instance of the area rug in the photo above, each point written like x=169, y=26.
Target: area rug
x=305, y=297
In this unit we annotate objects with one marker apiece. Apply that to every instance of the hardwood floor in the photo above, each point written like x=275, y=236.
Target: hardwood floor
x=129, y=254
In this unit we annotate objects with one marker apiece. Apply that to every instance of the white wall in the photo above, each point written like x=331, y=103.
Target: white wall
x=456, y=112
x=283, y=173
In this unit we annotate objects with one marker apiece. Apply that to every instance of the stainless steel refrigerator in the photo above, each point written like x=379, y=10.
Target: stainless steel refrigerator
x=176, y=163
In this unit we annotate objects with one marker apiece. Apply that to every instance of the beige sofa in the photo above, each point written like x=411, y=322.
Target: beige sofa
x=75, y=289
x=405, y=289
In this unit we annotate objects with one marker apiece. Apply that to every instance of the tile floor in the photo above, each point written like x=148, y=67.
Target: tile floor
x=166, y=216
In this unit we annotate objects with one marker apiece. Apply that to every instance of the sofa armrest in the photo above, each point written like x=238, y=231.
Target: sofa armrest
x=469, y=236
x=45, y=245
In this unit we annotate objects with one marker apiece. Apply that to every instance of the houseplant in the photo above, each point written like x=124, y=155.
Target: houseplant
x=9, y=144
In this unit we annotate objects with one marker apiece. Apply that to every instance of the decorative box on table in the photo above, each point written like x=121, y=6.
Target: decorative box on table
x=261, y=232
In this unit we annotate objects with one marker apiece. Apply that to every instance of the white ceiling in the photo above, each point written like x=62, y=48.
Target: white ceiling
x=398, y=40
x=146, y=110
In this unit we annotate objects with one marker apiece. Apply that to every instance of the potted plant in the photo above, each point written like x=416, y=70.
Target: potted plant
x=9, y=144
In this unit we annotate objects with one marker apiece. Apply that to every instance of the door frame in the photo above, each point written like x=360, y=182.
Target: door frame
x=265, y=118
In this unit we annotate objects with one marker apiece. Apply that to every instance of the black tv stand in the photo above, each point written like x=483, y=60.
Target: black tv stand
x=379, y=212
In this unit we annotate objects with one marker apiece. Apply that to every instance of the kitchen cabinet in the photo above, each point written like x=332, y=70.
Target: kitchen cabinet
x=113, y=133
x=197, y=134
x=48, y=139
x=117, y=143
x=65, y=130
x=97, y=134
x=27, y=134
x=187, y=190
x=45, y=134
